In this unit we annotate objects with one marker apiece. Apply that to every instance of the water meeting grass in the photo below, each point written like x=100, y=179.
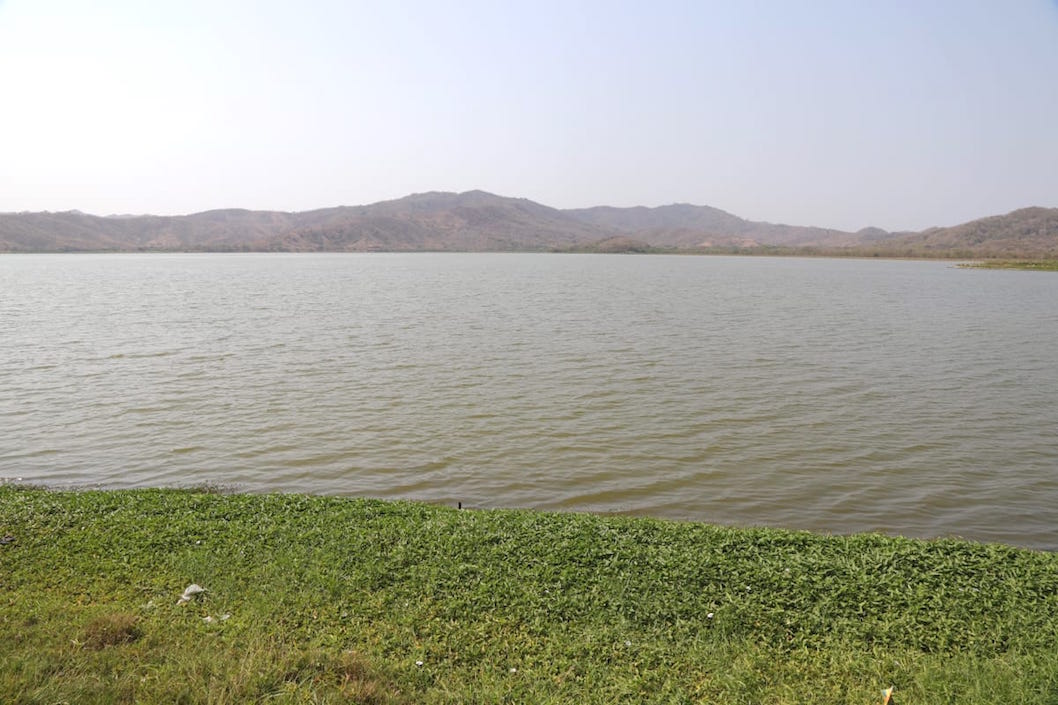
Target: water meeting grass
x=325, y=599
x=1037, y=265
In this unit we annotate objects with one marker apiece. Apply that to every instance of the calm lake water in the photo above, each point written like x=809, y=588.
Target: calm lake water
x=836, y=395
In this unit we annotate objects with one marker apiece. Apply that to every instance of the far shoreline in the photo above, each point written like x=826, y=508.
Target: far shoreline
x=963, y=262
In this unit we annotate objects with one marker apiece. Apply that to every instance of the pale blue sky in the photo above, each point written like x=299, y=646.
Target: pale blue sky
x=901, y=114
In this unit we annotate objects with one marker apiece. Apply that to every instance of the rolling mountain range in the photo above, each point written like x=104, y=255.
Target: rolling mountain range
x=480, y=221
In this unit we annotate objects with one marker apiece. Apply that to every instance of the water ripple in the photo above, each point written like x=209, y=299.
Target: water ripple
x=906, y=397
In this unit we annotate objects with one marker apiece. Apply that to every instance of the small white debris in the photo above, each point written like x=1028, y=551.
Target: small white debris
x=709, y=616
x=190, y=592
x=418, y=663
x=628, y=643
x=514, y=670
x=225, y=616
x=207, y=620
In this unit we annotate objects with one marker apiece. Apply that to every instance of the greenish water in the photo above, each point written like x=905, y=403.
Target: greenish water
x=835, y=395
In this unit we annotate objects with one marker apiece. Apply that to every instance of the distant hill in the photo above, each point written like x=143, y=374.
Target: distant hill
x=471, y=221
x=72, y=231
x=429, y=221
x=1025, y=233
x=480, y=221
x=682, y=225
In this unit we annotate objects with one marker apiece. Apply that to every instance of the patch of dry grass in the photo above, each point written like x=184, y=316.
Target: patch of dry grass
x=112, y=630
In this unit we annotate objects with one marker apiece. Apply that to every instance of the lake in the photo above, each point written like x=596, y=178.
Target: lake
x=912, y=398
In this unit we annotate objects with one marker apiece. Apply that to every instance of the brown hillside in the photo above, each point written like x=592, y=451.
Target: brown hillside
x=1024, y=233
x=479, y=221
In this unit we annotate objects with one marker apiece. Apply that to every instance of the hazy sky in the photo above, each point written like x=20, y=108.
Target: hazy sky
x=845, y=113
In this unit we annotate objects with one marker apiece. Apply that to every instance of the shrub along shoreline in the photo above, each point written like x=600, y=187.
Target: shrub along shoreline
x=326, y=599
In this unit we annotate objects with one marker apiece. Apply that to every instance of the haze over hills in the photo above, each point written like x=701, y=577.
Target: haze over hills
x=480, y=221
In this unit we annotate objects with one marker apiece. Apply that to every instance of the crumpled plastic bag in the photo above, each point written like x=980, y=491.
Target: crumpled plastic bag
x=191, y=592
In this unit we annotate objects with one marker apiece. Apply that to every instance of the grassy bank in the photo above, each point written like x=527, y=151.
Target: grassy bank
x=1039, y=265
x=312, y=599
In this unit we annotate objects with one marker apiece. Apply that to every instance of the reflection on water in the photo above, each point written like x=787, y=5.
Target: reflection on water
x=836, y=395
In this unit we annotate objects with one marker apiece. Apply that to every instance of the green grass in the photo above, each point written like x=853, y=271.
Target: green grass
x=340, y=600
x=1040, y=265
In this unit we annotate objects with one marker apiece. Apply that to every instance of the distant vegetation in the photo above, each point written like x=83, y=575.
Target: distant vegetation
x=1044, y=265
x=482, y=222
x=616, y=245
x=328, y=600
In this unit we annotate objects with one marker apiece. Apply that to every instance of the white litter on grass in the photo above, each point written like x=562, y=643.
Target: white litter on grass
x=210, y=619
x=190, y=592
